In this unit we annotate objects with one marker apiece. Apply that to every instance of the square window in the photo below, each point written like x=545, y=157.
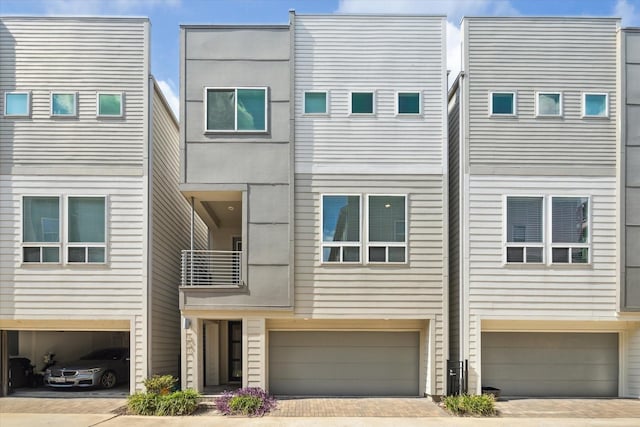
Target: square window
x=549, y=104
x=503, y=103
x=362, y=103
x=315, y=102
x=16, y=104
x=408, y=103
x=241, y=109
x=515, y=254
x=63, y=104
x=377, y=254
x=110, y=104
x=596, y=105
x=340, y=228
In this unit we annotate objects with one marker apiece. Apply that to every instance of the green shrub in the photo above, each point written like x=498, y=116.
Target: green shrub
x=482, y=405
x=245, y=405
x=178, y=403
x=160, y=384
x=143, y=403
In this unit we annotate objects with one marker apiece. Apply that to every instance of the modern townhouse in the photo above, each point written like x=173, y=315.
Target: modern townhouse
x=316, y=154
x=535, y=117
x=91, y=218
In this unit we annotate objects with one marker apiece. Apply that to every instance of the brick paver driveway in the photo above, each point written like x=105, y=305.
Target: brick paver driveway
x=65, y=405
x=569, y=408
x=357, y=407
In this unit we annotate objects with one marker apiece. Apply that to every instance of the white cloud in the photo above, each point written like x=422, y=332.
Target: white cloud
x=454, y=10
x=627, y=11
x=105, y=7
x=170, y=95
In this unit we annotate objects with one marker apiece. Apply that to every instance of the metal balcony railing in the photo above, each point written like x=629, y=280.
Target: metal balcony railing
x=211, y=268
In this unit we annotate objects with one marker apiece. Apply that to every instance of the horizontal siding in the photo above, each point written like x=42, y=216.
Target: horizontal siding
x=529, y=55
x=255, y=352
x=540, y=291
x=83, y=56
x=74, y=291
x=633, y=362
x=171, y=216
x=370, y=291
x=384, y=54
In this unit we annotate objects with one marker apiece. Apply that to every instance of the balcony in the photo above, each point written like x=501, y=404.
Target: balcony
x=211, y=268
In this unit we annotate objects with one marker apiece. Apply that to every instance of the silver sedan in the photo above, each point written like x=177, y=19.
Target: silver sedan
x=103, y=368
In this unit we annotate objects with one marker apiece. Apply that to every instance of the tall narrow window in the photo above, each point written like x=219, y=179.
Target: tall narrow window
x=524, y=230
x=502, y=103
x=63, y=104
x=549, y=104
x=340, y=228
x=362, y=103
x=17, y=104
x=595, y=105
x=570, y=230
x=387, y=229
x=110, y=105
x=86, y=230
x=240, y=110
x=40, y=229
x=315, y=102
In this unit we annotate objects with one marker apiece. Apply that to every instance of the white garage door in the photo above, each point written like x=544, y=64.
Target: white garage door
x=325, y=363
x=551, y=364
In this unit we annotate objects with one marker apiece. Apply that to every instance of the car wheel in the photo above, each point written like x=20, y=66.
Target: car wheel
x=108, y=380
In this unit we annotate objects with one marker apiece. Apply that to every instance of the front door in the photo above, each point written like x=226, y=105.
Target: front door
x=235, y=351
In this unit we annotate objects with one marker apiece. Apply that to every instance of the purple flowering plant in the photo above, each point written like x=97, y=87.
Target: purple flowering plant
x=250, y=401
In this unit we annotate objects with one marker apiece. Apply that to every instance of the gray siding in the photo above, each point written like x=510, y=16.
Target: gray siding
x=81, y=55
x=454, y=226
x=630, y=176
x=526, y=55
x=384, y=54
x=364, y=291
x=170, y=225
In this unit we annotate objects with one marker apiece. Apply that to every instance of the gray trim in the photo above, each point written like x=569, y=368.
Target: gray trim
x=234, y=27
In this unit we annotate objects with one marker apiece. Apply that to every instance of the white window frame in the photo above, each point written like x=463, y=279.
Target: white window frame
x=388, y=245
x=561, y=103
x=374, y=98
x=235, y=119
x=569, y=246
x=304, y=103
x=341, y=245
x=41, y=245
x=397, y=103
x=584, y=105
x=86, y=245
x=515, y=103
x=17, y=92
x=109, y=115
x=75, y=103
x=524, y=245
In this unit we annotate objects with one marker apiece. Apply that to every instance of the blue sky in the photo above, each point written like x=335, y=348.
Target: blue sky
x=167, y=15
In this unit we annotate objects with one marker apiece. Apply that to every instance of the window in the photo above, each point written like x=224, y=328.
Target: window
x=387, y=238
x=524, y=230
x=502, y=103
x=549, y=104
x=315, y=102
x=362, y=103
x=408, y=102
x=236, y=110
x=340, y=228
x=570, y=230
x=63, y=104
x=40, y=229
x=86, y=230
x=109, y=104
x=595, y=105
x=17, y=104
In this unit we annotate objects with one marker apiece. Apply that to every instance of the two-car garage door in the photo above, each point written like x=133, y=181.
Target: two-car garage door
x=551, y=364
x=337, y=363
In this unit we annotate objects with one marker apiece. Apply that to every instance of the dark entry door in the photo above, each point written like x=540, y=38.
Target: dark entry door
x=235, y=351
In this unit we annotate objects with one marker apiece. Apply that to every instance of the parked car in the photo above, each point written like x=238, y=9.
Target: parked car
x=20, y=373
x=102, y=368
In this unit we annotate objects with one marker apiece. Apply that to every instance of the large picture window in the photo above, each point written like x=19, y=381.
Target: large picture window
x=86, y=230
x=387, y=238
x=341, y=234
x=40, y=229
x=236, y=109
x=525, y=230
